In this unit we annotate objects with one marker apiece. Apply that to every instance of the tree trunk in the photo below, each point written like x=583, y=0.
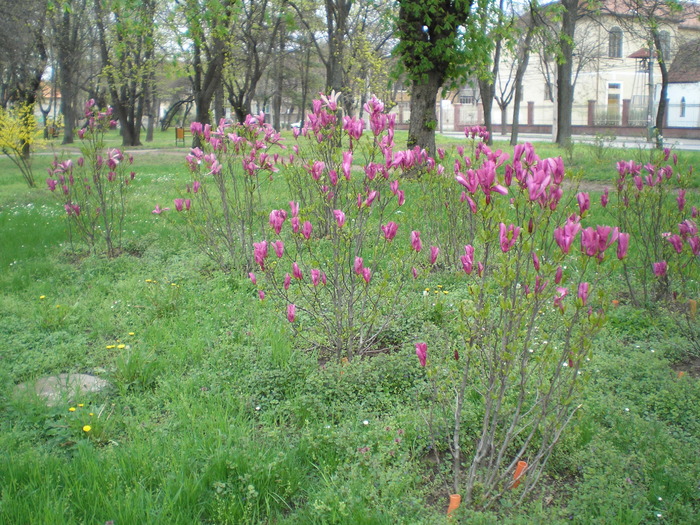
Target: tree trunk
x=519, y=74
x=486, y=89
x=663, y=96
x=565, y=91
x=277, y=100
x=504, y=118
x=421, y=131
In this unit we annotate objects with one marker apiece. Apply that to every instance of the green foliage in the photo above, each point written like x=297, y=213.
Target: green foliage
x=442, y=36
x=180, y=439
x=18, y=136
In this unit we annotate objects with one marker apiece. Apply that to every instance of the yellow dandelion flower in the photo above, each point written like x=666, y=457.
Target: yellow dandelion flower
x=91, y=414
x=149, y=281
x=439, y=286
x=58, y=306
x=445, y=292
x=132, y=333
x=42, y=297
x=71, y=409
x=109, y=347
x=121, y=347
x=173, y=284
x=81, y=405
x=87, y=428
x=427, y=289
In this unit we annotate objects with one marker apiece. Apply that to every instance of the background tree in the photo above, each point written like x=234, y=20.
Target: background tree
x=531, y=21
x=71, y=37
x=126, y=34
x=208, y=24
x=254, y=43
x=497, y=21
x=23, y=59
x=440, y=44
x=651, y=21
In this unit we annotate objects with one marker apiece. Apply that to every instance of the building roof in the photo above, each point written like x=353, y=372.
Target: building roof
x=685, y=67
x=640, y=53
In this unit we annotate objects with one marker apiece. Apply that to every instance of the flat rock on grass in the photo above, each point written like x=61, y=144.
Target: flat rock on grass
x=55, y=388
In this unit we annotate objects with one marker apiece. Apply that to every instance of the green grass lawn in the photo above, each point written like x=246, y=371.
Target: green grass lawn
x=217, y=414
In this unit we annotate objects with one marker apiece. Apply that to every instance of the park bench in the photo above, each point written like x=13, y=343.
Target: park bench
x=180, y=134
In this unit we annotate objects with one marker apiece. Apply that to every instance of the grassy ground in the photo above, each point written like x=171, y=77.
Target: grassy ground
x=216, y=415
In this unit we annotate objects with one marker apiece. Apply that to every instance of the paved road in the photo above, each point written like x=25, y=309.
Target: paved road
x=621, y=142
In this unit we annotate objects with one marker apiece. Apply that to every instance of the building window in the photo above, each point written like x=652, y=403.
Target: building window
x=615, y=43
x=466, y=99
x=665, y=41
x=683, y=107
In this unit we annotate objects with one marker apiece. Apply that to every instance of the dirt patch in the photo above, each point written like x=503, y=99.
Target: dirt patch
x=690, y=367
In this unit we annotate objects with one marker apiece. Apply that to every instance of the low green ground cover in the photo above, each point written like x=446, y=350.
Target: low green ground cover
x=216, y=414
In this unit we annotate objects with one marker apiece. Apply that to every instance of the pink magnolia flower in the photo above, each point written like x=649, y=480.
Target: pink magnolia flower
x=468, y=259
x=558, y=275
x=623, y=241
x=339, y=217
x=195, y=186
x=296, y=271
x=260, y=253
x=287, y=281
x=315, y=276
x=401, y=197
x=536, y=262
x=188, y=204
x=422, y=352
x=676, y=241
x=367, y=275
x=52, y=184
x=415, y=241
x=508, y=235
x=253, y=279
x=261, y=295
x=158, y=210
x=540, y=284
x=584, y=202
x=277, y=218
x=694, y=243
x=359, y=264
x=278, y=246
x=296, y=224
x=179, y=204
x=294, y=207
x=565, y=235
x=604, y=198
x=559, y=298
x=414, y=271
x=583, y=293
x=306, y=229
x=687, y=227
x=681, y=200
x=370, y=198
x=291, y=312
x=347, y=164
x=434, y=252
x=660, y=268
x=333, y=177
x=390, y=230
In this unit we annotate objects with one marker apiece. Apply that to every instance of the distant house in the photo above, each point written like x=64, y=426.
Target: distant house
x=684, y=87
x=612, y=75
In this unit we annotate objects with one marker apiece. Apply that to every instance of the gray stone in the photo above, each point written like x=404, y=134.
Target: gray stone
x=63, y=386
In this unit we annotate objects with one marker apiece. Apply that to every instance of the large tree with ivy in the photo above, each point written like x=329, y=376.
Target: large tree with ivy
x=441, y=44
